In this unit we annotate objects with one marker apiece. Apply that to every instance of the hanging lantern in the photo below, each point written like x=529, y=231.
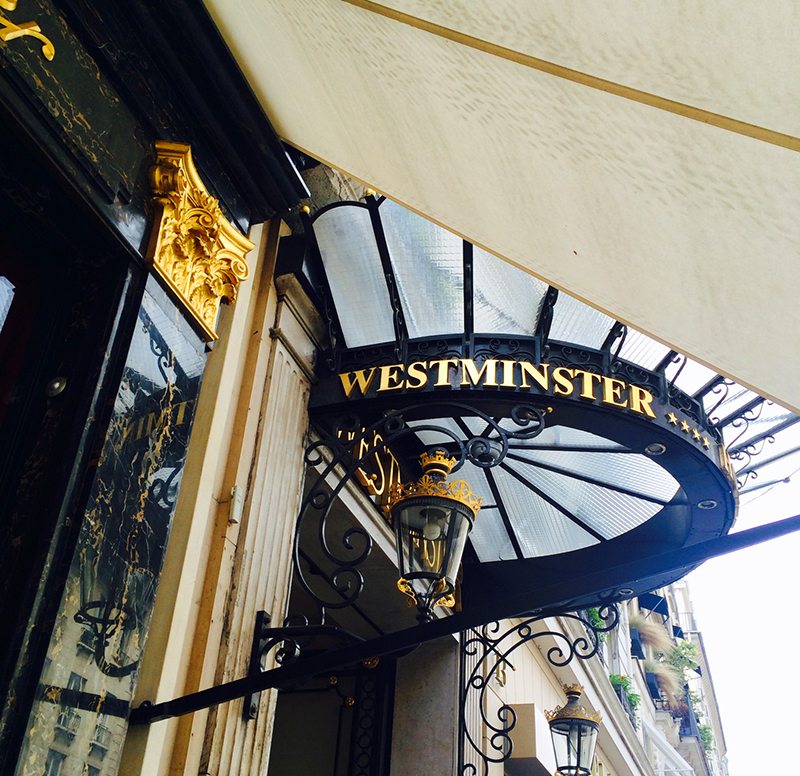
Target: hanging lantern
x=432, y=519
x=574, y=730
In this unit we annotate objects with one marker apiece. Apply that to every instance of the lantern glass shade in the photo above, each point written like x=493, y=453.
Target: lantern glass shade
x=574, y=741
x=431, y=533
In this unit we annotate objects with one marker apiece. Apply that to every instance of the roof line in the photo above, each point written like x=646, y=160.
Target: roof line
x=585, y=79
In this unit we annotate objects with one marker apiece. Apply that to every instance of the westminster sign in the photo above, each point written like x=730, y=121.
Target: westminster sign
x=498, y=374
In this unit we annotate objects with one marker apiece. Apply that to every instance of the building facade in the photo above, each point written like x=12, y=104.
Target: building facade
x=184, y=329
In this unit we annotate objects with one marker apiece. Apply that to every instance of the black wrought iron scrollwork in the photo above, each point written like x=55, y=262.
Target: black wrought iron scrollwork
x=330, y=574
x=721, y=389
x=546, y=315
x=104, y=621
x=348, y=451
x=287, y=641
x=742, y=424
x=486, y=658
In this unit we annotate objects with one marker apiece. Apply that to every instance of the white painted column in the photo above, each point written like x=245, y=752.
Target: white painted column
x=261, y=560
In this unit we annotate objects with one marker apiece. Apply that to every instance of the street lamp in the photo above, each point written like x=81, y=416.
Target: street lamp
x=574, y=730
x=432, y=519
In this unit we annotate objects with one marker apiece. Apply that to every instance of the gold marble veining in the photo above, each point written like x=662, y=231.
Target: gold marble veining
x=193, y=247
x=9, y=30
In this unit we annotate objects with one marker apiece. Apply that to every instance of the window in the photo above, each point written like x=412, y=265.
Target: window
x=54, y=763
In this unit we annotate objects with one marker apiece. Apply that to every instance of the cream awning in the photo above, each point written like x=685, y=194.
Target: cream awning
x=642, y=156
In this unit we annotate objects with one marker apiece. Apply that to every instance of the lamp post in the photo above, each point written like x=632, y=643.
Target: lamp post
x=431, y=519
x=574, y=730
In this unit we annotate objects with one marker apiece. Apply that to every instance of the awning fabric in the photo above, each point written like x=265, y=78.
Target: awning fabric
x=642, y=158
x=655, y=603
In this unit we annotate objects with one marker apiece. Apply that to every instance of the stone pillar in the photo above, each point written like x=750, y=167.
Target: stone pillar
x=426, y=701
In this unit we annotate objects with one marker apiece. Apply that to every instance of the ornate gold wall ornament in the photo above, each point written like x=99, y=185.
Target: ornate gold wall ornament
x=10, y=31
x=197, y=252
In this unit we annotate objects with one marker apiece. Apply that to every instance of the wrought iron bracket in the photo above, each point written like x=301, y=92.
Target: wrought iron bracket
x=549, y=598
x=289, y=640
x=484, y=656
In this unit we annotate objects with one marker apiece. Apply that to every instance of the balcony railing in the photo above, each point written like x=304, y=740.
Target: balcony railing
x=67, y=723
x=623, y=699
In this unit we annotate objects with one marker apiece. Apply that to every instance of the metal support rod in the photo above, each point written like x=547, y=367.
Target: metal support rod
x=544, y=600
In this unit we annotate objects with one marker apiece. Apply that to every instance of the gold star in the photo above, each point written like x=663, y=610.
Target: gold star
x=685, y=427
x=696, y=434
x=706, y=443
x=672, y=418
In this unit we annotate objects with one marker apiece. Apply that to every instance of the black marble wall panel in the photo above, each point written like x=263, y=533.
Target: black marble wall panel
x=79, y=715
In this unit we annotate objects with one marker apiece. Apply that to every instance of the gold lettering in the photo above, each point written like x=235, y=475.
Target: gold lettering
x=612, y=389
x=378, y=479
x=388, y=375
x=363, y=379
x=375, y=459
x=157, y=420
x=561, y=377
x=508, y=374
x=641, y=399
x=587, y=389
x=443, y=366
x=417, y=371
x=181, y=414
x=11, y=31
x=539, y=375
x=471, y=374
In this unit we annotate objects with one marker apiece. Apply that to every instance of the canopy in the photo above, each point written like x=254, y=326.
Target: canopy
x=606, y=148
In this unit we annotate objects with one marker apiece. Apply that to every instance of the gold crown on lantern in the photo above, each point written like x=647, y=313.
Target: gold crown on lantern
x=572, y=709
x=435, y=466
x=437, y=460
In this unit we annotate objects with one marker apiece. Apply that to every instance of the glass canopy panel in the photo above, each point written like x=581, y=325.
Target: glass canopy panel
x=574, y=321
x=606, y=511
x=428, y=263
x=642, y=350
x=540, y=528
x=490, y=538
x=633, y=472
x=352, y=264
x=566, y=437
x=476, y=478
x=691, y=377
x=506, y=300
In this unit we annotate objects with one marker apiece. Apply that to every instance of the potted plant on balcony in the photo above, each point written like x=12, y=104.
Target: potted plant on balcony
x=628, y=697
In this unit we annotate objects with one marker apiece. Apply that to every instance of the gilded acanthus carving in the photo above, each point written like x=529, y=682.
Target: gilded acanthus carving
x=193, y=247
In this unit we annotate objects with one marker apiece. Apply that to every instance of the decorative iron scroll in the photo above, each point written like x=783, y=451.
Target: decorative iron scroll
x=485, y=654
x=194, y=248
x=329, y=454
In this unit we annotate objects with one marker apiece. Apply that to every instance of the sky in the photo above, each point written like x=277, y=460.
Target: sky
x=745, y=604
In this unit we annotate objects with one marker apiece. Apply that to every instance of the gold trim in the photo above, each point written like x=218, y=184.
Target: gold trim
x=196, y=251
x=448, y=601
x=458, y=490
x=437, y=463
x=572, y=709
x=585, y=79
